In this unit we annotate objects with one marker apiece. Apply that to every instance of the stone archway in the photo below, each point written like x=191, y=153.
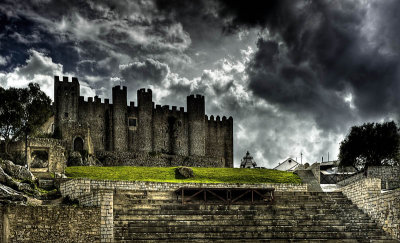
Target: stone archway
x=39, y=158
x=78, y=144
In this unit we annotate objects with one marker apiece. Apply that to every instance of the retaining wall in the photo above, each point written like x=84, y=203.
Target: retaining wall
x=389, y=175
x=80, y=187
x=384, y=208
x=49, y=224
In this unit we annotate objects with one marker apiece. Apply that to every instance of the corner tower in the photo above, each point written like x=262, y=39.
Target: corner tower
x=119, y=118
x=145, y=120
x=196, y=125
x=66, y=96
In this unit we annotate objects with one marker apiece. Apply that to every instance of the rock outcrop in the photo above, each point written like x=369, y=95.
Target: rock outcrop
x=185, y=172
x=16, y=171
x=75, y=159
x=8, y=194
x=8, y=181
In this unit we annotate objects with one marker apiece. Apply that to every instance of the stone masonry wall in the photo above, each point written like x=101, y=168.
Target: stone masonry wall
x=384, y=208
x=389, y=175
x=2, y=235
x=120, y=158
x=352, y=179
x=78, y=188
x=50, y=224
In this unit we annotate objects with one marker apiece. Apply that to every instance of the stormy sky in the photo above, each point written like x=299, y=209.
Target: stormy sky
x=294, y=75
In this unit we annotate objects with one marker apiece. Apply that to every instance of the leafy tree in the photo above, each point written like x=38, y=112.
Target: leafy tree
x=372, y=144
x=22, y=112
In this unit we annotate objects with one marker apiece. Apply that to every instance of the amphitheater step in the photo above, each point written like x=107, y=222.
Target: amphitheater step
x=296, y=216
x=255, y=235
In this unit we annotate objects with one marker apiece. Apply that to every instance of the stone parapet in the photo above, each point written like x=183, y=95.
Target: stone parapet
x=389, y=175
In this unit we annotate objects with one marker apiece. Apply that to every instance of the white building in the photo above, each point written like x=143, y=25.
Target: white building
x=287, y=165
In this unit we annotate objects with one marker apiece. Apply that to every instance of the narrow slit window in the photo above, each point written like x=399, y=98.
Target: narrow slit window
x=132, y=122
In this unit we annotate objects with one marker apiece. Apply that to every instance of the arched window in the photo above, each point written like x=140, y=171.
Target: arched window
x=78, y=144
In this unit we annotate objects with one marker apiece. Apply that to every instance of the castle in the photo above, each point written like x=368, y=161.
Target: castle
x=97, y=126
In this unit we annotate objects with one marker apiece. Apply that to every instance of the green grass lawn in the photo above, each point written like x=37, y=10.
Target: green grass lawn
x=167, y=174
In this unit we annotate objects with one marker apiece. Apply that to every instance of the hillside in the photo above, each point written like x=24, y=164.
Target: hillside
x=168, y=174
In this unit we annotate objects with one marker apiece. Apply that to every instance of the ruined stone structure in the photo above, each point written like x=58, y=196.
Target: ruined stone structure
x=95, y=126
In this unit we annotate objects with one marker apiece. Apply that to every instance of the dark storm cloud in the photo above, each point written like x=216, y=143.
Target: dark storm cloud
x=293, y=74
x=324, y=57
x=316, y=54
x=147, y=72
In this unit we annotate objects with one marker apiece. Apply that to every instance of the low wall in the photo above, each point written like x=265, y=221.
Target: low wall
x=80, y=187
x=389, y=175
x=50, y=224
x=384, y=208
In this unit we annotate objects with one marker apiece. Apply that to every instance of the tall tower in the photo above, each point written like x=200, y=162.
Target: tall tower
x=119, y=118
x=66, y=95
x=145, y=120
x=196, y=123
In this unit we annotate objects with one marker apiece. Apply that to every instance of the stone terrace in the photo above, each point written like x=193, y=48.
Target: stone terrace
x=149, y=211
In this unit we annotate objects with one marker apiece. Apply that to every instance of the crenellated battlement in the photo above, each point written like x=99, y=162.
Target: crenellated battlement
x=166, y=109
x=93, y=100
x=121, y=88
x=65, y=79
x=142, y=126
x=196, y=97
x=144, y=91
x=217, y=120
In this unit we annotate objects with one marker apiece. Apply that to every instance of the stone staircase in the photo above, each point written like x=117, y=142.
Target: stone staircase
x=294, y=216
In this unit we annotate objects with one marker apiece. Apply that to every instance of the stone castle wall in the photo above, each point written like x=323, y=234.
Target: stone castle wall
x=49, y=224
x=384, y=208
x=105, y=126
x=112, y=158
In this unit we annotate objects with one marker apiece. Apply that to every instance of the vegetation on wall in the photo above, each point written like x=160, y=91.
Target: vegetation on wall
x=372, y=144
x=168, y=174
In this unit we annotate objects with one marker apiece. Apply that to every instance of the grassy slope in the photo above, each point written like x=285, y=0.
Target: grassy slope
x=167, y=174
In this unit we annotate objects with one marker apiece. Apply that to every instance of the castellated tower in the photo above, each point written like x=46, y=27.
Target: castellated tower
x=196, y=125
x=147, y=134
x=119, y=118
x=145, y=120
x=66, y=95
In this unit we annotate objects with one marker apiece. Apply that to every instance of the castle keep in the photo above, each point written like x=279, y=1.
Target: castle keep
x=173, y=136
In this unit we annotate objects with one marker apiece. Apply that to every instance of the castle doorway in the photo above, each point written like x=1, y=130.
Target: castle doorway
x=78, y=144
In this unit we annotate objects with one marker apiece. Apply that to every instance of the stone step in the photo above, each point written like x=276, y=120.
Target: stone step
x=294, y=203
x=238, y=206
x=240, y=228
x=242, y=217
x=267, y=240
x=276, y=222
x=249, y=205
x=297, y=193
x=252, y=235
x=275, y=212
